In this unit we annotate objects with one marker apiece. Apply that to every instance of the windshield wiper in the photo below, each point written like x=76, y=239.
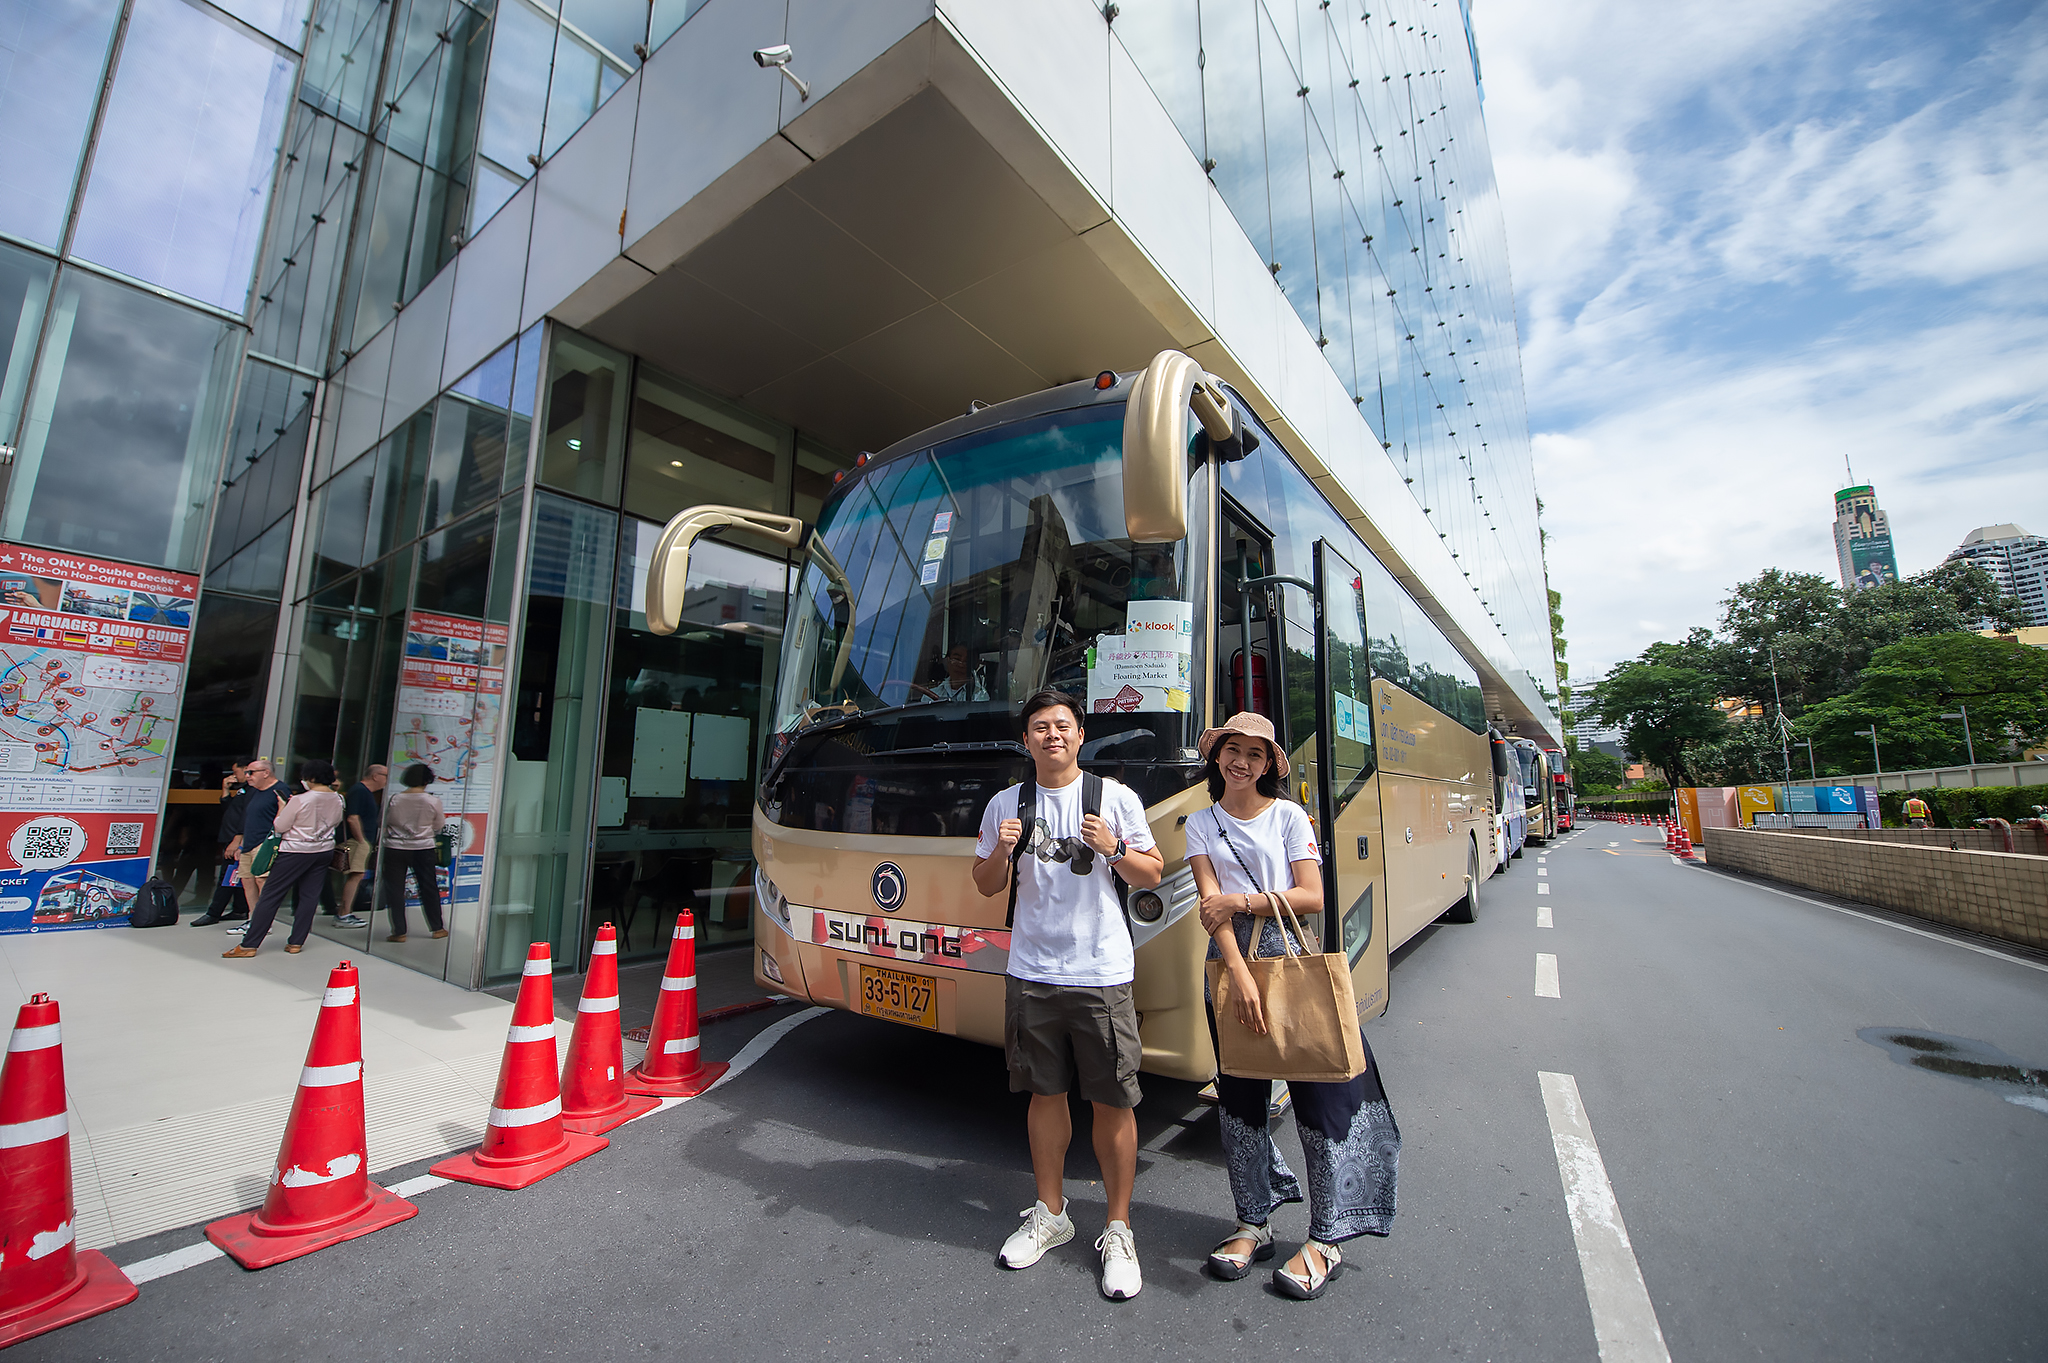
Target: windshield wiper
x=838, y=720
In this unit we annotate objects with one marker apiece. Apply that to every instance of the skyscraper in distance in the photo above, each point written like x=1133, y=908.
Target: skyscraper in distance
x=1863, y=539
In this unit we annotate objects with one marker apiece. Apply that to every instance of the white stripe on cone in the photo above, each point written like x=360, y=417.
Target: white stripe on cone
x=608, y=1004
x=34, y=1038
x=675, y=982
x=337, y=998
x=525, y=1116
x=326, y=1076
x=683, y=1043
x=605, y=949
x=48, y=1242
x=540, y=967
x=16, y=1134
x=542, y=1033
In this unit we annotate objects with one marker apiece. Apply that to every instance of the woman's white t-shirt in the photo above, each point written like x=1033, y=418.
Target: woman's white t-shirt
x=1268, y=845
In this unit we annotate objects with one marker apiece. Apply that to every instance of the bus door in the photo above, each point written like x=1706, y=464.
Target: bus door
x=1247, y=625
x=1348, y=820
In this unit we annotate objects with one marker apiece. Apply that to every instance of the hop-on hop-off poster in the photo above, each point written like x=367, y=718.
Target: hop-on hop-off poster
x=92, y=667
x=450, y=695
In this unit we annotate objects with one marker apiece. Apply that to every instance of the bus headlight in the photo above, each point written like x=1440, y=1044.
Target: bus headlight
x=768, y=897
x=1147, y=906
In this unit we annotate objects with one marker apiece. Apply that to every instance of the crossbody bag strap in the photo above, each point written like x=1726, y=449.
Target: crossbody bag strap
x=1283, y=912
x=1027, y=813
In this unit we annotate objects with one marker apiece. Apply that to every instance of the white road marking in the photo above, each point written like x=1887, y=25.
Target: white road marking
x=1546, y=976
x=177, y=1260
x=1541, y=871
x=1614, y=844
x=1917, y=932
x=1624, y=1320
x=1543, y=889
x=1542, y=915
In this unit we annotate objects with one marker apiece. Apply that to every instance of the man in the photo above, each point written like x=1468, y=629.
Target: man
x=234, y=800
x=364, y=814
x=1069, y=1020
x=266, y=796
x=1916, y=812
x=960, y=682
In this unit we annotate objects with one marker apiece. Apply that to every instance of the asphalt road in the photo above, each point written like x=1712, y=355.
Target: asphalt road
x=1790, y=1188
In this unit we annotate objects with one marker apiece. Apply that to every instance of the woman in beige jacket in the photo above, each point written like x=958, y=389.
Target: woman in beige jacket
x=306, y=825
x=412, y=820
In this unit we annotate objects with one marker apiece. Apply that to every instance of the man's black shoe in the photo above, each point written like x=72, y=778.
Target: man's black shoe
x=205, y=920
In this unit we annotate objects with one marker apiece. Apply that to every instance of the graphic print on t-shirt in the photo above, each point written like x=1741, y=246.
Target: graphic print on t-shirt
x=1069, y=927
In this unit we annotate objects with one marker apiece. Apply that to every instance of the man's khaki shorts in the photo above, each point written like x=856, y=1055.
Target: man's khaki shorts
x=358, y=855
x=1069, y=1038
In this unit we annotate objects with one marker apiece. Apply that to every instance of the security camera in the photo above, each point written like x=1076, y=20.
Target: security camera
x=777, y=55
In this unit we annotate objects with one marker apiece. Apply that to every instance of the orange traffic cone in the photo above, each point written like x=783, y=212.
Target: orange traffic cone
x=524, y=1140
x=320, y=1192
x=673, y=1067
x=594, y=1078
x=45, y=1279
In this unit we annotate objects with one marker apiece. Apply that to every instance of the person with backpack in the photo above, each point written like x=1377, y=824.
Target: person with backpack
x=227, y=893
x=1058, y=842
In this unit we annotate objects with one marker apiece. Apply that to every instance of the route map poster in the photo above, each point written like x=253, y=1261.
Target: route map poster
x=451, y=691
x=92, y=669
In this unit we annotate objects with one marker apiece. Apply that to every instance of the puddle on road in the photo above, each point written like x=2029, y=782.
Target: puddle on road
x=1959, y=1057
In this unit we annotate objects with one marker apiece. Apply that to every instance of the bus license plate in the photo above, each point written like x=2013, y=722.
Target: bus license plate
x=899, y=997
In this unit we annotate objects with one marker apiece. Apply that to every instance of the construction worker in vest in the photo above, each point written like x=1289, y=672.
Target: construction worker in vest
x=1916, y=812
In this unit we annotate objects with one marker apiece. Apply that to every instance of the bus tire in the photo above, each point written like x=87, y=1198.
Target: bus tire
x=1466, y=910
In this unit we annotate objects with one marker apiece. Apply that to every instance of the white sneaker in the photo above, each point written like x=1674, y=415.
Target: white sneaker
x=1043, y=1229
x=1121, y=1279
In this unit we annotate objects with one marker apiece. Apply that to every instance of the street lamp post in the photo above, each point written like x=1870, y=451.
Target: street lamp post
x=1807, y=744
x=1871, y=734
x=1962, y=712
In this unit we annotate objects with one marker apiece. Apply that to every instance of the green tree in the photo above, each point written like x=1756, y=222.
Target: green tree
x=1907, y=687
x=1748, y=752
x=1794, y=617
x=1659, y=710
x=1595, y=770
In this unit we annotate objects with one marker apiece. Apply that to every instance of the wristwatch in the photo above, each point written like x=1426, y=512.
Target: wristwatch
x=1114, y=857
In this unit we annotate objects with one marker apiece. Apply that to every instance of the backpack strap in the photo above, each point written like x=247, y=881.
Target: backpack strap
x=1091, y=794
x=1027, y=813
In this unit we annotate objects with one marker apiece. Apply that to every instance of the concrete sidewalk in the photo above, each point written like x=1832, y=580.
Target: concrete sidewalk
x=181, y=1067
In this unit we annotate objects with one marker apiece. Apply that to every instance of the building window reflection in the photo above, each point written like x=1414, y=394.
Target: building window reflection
x=56, y=52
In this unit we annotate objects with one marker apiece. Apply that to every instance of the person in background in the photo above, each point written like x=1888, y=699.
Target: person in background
x=307, y=826
x=1916, y=812
x=227, y=891
x=267, y=796
x=960, y=683
x=1247, y=850
x=412, y=819
x=364, y=815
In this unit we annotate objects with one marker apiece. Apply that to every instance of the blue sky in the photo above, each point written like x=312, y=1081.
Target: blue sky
x=1751, y=237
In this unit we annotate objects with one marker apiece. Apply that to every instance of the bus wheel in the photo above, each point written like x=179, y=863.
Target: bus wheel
x=1466, y=910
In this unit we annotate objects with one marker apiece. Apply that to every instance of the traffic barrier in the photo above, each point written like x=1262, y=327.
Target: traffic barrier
x=320, y=1190
x=524, y=1139
x=673, y=1067
x=46, y=1281
x=594, y=1098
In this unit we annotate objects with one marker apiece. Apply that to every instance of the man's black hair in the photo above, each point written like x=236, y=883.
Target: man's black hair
x=1044, y=698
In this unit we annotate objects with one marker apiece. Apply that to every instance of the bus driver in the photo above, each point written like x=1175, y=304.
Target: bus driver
x=1068, y=1015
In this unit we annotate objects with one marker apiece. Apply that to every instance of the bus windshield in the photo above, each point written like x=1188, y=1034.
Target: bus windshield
x=946, y=585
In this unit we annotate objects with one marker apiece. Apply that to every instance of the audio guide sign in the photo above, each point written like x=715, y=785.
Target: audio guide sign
x=92, y=668
x=451, y=691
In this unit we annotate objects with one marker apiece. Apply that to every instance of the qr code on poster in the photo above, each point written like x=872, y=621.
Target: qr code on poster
x=47, y=843
x=124, y=839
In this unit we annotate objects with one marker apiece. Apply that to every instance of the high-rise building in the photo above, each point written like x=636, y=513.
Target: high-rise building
x=1863, y=539
x=2017, y=562
x=354, y=352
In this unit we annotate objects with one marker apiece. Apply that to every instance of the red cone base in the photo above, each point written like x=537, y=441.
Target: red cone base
x=689, y=1086
x=600, y=1122
x=473, y=1167
x=254, y=1248
x=100, y=1287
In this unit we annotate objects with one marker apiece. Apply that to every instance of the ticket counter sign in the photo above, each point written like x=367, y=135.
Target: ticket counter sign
x=92, y=670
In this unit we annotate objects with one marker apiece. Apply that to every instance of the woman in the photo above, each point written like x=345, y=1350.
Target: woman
x=412, y=820
x=1248, y=843
x=306, y=826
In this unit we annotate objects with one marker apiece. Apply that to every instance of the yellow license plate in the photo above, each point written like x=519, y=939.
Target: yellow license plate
x=899, y=997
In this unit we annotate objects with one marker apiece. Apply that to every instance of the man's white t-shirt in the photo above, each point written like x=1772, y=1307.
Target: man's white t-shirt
x=1070, y=929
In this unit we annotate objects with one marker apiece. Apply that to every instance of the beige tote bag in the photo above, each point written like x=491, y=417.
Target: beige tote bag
x=1311, y=1016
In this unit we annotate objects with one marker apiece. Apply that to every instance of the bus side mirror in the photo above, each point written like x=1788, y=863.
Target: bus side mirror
x=669, y=571
x=1156, y=443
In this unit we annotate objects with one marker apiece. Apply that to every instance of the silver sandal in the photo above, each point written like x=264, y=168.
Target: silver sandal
x=1231, y=1267
x=1310, y=1287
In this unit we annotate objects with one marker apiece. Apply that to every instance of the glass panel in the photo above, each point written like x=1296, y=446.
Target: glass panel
x=581, y=81
x=544, y=819
x=515, y=100
x=680, y=752
x=1165, y=39
x=342, y=49
x=468, y=457
x=123, y=438
x=401, y=484
x=1233, y=119
x=1344, y=620
x=586, y=418
x=525, y=384
x=341, y=514
x=284, y=20
x=667, y=16
x=687, y=450
x=266, y=456
x=1294, y=247
x=54, y=53
x=298, y=281
x=181, y=173
x=24, y=293
x=612, y=26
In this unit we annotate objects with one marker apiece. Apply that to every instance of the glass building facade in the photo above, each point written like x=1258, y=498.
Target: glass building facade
x=288, y=303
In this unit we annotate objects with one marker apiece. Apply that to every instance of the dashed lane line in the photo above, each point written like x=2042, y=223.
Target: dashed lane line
x=191, y=1256
x=1543, y=887
x=1624, y=1320
x=1542, y=915
x=1546, y=976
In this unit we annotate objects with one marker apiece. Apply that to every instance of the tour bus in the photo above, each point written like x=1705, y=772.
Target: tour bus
x=1564, y=799
x=1537, y=791
x=1510, y=808
x=1164, y=571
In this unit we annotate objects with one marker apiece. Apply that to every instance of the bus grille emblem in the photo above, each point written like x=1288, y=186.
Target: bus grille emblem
x=889, y=887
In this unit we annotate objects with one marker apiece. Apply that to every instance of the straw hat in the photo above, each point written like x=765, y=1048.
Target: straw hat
x=1251, y=725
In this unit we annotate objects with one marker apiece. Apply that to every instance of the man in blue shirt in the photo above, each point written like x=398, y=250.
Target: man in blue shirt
x=266, y=796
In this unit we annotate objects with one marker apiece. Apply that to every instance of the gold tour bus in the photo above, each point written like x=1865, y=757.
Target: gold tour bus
x=1143, y=543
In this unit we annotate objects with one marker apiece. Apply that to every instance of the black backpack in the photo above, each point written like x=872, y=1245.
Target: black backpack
x=156, y=905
